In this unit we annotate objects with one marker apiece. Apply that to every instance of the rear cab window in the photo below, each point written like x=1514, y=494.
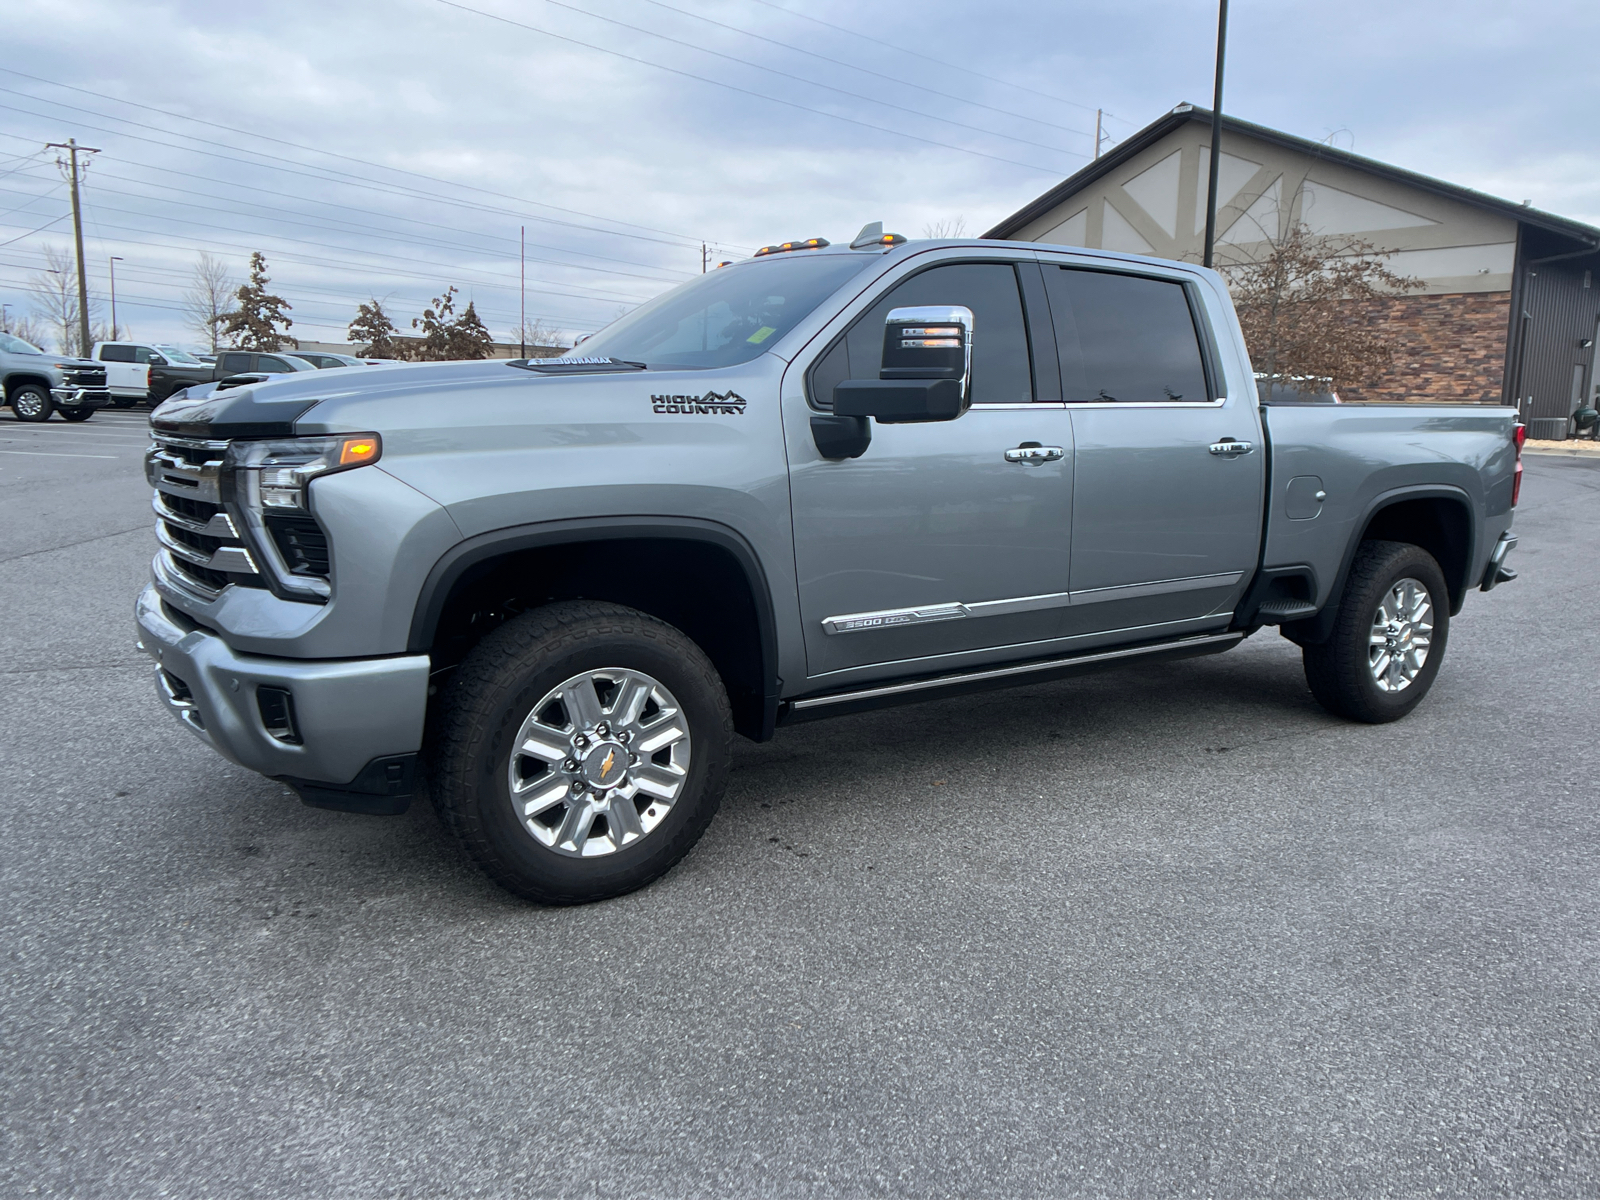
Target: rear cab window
x=1125, y=339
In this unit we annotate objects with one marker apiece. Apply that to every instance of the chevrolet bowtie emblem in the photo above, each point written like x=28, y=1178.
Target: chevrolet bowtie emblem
x=605, y=767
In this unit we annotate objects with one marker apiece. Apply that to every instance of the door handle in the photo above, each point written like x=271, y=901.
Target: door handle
x=1032, y=454
x=1231, y=447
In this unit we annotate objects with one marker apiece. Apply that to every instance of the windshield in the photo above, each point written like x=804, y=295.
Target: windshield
x=173, y=354
x=727, y=316
x=16, y=345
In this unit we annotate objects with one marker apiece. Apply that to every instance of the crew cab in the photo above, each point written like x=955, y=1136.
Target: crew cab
x=827, y=479
x=140, y=372
x=36, y=384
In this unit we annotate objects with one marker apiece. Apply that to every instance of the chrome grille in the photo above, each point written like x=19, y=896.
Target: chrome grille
x=84, y=376
x=201, y=548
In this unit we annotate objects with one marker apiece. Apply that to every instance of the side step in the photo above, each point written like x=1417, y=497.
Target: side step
x=810, y=708
x=1276, y=612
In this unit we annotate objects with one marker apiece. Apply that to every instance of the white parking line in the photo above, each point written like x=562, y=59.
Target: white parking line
x=58, y=454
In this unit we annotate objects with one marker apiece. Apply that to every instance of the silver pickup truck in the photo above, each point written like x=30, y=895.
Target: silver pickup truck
x=819, y=481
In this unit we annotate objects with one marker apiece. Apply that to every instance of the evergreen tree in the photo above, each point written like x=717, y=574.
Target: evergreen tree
x=375, y=332
x=254, y=324
x=469, y=337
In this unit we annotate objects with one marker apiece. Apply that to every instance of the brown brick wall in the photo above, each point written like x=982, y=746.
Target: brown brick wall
x=1448, y=348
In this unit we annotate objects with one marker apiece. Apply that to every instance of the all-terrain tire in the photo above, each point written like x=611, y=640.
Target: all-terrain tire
x=1340, y=671
x=498, y=686
x=32, y=403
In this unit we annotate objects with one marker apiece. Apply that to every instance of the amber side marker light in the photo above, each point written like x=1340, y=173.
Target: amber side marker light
x=358, y=450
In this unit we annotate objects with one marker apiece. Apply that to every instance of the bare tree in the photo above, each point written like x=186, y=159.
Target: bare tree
x=209, y=301
x=538, y=333
x=29, y=330
x=55, y=294
x=1298, y=297
x=946, y=227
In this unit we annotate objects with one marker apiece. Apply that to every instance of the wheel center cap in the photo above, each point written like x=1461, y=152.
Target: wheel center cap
x=606, y=765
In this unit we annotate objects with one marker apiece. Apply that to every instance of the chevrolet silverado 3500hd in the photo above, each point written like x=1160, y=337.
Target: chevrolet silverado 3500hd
x=818, y=481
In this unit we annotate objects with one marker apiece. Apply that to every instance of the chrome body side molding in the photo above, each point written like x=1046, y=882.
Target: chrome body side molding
x=954, y=610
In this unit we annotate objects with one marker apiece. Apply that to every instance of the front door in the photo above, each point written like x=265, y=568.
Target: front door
x=1167, y=490
x=933, y=543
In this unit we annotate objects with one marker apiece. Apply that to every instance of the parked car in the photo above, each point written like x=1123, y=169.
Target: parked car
x=323, y=361
x=234, y=367
x=818, y=482
x=37, y=384
x=146, y=372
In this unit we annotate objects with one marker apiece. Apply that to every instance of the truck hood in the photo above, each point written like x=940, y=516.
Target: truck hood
x=270, y=408
x=378, y=398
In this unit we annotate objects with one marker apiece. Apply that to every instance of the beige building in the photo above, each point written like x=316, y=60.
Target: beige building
x=1480, y=258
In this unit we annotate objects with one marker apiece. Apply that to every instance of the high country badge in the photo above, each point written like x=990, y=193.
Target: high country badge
x=717, y=404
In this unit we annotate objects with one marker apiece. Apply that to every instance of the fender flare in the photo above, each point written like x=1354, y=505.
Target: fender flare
x=465, y=555
x=1314, y=630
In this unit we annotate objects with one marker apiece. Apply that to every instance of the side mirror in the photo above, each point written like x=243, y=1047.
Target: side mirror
x=926, y=372
x=157, y=361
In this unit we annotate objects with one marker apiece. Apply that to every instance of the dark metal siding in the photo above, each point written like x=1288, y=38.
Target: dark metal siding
x=1555, y=306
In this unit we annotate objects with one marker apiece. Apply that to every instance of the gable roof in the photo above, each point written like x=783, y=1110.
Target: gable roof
x=1586, y=235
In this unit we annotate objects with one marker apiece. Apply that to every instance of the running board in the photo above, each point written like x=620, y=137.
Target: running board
x=811, y=708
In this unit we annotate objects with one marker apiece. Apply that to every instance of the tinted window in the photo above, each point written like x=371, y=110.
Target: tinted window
x=268, y=363
x=141, y=354
x=1001, y=373
x=116, y=353
x=727, y=316
x=1124, y=338
x=235, y=362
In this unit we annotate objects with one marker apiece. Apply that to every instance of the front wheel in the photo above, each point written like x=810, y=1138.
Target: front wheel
x=581, y=751
x=31, y=403
x=1388, y=638
x=76, y=414
x=124, y=401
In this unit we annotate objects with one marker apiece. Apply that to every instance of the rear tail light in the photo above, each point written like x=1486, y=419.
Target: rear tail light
x=1519, y=434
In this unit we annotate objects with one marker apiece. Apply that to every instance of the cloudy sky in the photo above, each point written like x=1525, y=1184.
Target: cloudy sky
x=390, y=148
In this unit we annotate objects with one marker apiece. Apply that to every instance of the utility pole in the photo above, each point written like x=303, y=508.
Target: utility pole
x=702, y=258
x=1098, y=113
x=112, y=263
x=522, y=327
x=72, y=148
x=1216, y=133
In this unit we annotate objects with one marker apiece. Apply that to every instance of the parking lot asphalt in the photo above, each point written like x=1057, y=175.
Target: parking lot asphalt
x=1166, y=931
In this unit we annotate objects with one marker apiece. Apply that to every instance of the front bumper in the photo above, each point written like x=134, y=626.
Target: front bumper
x=346, y=713
x=76, y=397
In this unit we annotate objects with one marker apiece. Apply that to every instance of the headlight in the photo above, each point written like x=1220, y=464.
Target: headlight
x=267, y=484
x=281, y=469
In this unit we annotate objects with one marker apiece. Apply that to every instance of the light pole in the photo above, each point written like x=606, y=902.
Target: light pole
x=112, y=263
x=1216, y=132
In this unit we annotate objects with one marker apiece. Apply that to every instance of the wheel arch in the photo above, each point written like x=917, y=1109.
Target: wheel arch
x=1439, y=518
x=713, y=588
x=22, y=379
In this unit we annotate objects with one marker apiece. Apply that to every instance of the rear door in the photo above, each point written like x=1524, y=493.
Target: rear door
x=232, y=363
x=1167, y=489
x=933, y=544
x=125, y=376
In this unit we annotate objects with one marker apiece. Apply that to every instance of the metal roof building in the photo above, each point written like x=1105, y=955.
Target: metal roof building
x=1510, y=307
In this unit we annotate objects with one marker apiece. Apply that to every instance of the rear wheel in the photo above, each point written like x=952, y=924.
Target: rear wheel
x=582, y=750
x=76, y=414
x=30, y=402
x=1388, y=638
x=124, y=401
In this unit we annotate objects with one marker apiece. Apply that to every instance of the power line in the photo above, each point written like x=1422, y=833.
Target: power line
x=916, y=112
x=681, y=237
x=839, y=62
x=747, y=92
x=322, y=176
x=41, y=229
x=880, y=44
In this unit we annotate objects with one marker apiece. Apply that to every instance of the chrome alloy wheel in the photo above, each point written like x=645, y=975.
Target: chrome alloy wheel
x=599, y=762
x=28, y=404
x=1402, y=632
